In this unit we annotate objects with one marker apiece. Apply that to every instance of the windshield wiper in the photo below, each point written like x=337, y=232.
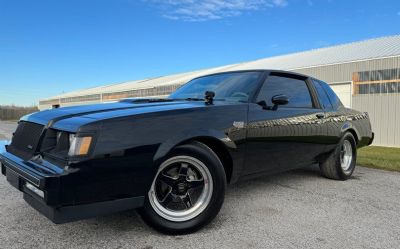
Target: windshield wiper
x=143, y=100
x=189, y=99
x=194, y=99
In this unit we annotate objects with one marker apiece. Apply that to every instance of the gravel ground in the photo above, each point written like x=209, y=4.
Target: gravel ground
x=6, y=129
x=298, y=209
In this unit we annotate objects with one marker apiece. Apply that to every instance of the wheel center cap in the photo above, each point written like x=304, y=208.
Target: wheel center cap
x=181, y=187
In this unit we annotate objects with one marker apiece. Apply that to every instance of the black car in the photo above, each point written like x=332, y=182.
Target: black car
x=172, y=158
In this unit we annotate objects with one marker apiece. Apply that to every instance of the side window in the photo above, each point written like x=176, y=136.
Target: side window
x=322, y=95
x=296, y=90
x=331, y=94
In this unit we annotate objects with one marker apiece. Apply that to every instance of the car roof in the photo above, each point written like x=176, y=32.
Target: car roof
x=283, y=72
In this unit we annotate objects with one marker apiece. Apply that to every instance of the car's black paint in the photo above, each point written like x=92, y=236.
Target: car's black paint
x=132, y=138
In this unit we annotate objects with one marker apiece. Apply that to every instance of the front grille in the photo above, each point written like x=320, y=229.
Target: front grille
x=25, y=140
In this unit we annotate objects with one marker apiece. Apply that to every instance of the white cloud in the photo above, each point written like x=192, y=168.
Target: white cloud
x=280, y=3
x=197, y=10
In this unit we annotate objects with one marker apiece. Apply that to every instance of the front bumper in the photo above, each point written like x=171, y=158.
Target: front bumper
x=79, y=212
x=46, y=180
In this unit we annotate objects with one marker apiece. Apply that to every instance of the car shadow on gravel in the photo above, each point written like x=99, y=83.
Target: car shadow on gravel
x=129, y=221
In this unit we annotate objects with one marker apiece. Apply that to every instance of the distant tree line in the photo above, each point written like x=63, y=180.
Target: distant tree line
x=11, y=112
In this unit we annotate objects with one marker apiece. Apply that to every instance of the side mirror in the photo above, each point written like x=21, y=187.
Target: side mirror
x=209, y=97
x=279, y=99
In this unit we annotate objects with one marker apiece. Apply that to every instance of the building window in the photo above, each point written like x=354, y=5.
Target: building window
x=93, y=97
x=379, y=81
x=147, y=92
x=49, y=102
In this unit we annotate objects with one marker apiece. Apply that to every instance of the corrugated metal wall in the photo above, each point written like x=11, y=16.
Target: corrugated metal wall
x=384, y=112
x=343, y=72
x=383, y=109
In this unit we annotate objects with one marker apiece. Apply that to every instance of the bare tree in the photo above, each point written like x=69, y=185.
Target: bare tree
x=11, y=112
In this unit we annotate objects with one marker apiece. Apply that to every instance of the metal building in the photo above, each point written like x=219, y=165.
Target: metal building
x=365, y=75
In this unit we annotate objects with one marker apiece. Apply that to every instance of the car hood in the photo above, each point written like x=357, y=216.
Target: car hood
x=71, y=118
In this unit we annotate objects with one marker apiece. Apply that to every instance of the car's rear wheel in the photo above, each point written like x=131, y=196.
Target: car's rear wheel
x=342, y=161
x=187, y=191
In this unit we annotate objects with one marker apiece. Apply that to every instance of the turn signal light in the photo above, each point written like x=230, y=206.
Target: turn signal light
x=79, y=146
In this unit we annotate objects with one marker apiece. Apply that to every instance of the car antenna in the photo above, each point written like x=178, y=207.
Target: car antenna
x=209, y=97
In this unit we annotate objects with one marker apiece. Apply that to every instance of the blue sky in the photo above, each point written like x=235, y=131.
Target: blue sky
x=52, y=46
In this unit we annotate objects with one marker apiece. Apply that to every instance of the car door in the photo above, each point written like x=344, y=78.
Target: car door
x=286, y=136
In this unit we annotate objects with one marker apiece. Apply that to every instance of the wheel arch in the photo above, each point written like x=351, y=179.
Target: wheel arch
x=220, y=150
x=218, y=143
x=353, y=132
x=349, y=127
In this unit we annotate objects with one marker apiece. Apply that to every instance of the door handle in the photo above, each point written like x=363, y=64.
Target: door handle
x=320, y=115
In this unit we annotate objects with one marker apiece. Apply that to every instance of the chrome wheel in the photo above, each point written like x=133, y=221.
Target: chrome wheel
x=182, y=189
x=346, y=155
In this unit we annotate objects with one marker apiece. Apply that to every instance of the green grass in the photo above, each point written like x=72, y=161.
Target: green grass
x=379, y=158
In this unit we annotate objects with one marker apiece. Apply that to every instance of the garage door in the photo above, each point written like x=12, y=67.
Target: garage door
x=343, y=91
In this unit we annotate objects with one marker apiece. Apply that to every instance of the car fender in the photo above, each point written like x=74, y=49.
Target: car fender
x=348, y=126
x=172, y=142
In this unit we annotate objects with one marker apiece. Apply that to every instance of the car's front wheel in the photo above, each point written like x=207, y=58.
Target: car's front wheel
x=187, y=191
x=342, y=161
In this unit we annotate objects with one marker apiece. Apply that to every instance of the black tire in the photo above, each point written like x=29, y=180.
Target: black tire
x=331, y=168
x=204, y=154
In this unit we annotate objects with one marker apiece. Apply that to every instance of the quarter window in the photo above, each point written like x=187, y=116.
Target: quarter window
x=295, y=89
x=322, y=95
x=331, y=94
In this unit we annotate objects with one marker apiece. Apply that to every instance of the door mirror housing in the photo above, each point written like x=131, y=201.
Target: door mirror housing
x=279, y=99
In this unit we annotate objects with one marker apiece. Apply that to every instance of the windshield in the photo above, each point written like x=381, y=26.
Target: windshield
x=238, y=86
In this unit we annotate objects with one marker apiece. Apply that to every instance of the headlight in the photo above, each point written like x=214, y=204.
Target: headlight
x=79, y=146
x=71, y=138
